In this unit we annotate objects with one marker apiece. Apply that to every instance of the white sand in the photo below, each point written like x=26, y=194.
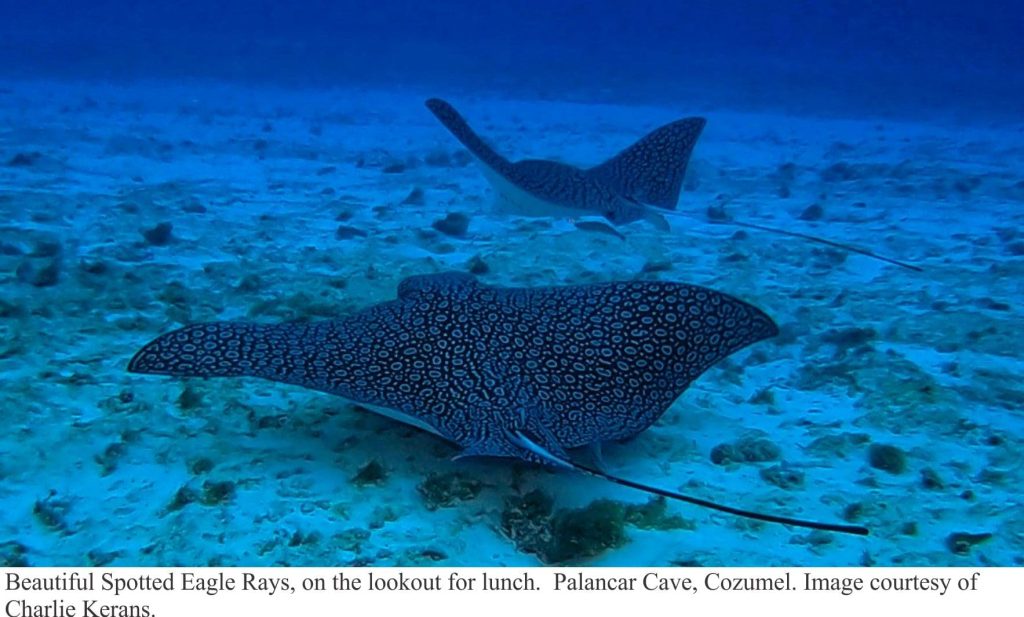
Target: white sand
x=939, y=378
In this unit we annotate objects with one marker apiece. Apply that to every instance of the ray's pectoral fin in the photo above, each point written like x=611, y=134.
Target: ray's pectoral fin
x=223, y=349
x=458, y=127
x=651, y=171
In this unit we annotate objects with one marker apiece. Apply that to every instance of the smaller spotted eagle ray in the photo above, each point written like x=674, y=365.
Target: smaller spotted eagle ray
x=642, y=182
x=528, y=373
x=648, y=173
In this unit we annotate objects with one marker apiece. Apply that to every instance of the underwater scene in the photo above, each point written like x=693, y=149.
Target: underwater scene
x=469, y=284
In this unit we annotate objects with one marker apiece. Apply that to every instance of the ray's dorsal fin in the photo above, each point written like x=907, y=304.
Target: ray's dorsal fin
x=651, y=170
x=457, y=125
x=565, y=462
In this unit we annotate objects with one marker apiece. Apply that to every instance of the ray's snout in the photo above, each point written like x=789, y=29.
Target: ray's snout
x=719, y=324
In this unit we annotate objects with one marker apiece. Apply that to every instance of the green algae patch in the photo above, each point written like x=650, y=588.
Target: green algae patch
x=109, y=458
x=654, y=515
x=444, y=490
x=428, y=556
x=887, y=458
x=576, y=535
x=950, y=331
x=783, y=476
x=351, y=540
x=586, y=532
x=526, y=522
x=217, y=493
x=190, y=399
x=200, y=466
x=751, y=448
x=847, y=338
x=372, y=473
x=961, y=543
x=381, y=516
x=300, y=306
x=183, y=497
x=176, y=294
x=13, y=554
x=764, y=396
x=565, y=536
x=52, y=512
x=841, y=445
x=900, y=395
x=894, y=392
x=994, y=387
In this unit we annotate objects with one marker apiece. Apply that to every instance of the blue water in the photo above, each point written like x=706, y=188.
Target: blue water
x=163, y=164
x=910, y=56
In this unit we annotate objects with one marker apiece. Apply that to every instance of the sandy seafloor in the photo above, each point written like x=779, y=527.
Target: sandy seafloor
x=102, y=467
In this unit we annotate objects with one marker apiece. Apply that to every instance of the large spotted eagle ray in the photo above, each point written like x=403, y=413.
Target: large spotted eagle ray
x=642, y=182
x=528, y=373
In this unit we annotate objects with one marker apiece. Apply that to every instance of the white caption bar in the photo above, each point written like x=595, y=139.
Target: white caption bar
x=166, y=592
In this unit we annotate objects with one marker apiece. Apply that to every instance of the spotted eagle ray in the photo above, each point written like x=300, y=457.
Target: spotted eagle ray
x=648, y=172
x=642, y=182
x=528, y=373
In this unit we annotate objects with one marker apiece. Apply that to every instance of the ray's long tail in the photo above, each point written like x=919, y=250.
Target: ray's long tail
x=704, y=503
x=827, y=242
x=816, y=239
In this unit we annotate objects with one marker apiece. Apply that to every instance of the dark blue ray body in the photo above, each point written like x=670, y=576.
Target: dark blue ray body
x=650, y=172
x=570, y=366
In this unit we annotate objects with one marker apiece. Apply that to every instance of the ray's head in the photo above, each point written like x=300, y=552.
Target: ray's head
x=683, y=328
x=713, y=325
